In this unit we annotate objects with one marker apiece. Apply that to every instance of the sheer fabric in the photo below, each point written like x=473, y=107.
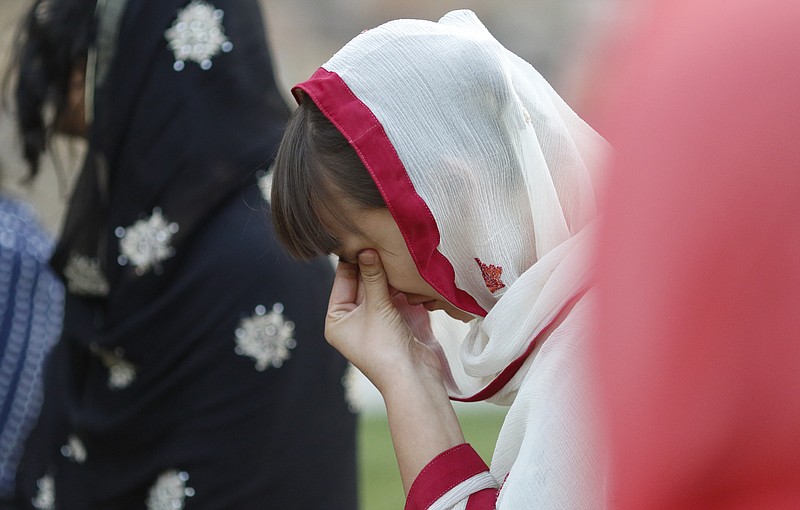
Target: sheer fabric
x=490, y=177
x=502, y=167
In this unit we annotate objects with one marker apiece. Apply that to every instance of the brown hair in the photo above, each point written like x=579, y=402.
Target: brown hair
x=314, y=168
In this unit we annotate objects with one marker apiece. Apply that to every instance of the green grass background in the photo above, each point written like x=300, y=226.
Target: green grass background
x=379, y=477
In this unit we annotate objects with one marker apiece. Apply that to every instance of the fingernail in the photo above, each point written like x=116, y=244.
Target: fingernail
x=367, y=257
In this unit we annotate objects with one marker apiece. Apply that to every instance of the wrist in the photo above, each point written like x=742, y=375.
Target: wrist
x=410, y=379
x=421, y=397
x=422, y=420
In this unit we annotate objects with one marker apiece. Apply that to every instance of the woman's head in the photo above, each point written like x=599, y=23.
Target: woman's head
x=47, y=69
x=483, y=167
x=325, y=201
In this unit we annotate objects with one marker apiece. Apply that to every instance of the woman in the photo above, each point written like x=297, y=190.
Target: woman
x=447, y=174
x=191, y=370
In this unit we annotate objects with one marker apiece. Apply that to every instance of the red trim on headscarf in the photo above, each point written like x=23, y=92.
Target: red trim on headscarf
x=366, y=135
x=511, y=370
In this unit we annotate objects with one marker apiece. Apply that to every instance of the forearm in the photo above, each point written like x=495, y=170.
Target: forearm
x=422, y=422
x=364, y=324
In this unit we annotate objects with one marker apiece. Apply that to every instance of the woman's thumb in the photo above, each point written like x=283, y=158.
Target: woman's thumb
x=376, y=287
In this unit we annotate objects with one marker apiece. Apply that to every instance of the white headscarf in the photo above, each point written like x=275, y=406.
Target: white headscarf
x=490, y=177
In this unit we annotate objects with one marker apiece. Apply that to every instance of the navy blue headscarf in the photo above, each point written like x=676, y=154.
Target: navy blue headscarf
x=192, y=354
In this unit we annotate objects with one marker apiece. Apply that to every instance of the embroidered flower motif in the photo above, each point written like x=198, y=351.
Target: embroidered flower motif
x=352, y=392
x=121, y=372
x=45, y=493
x=266, y=337
x=43, y=12
x=74, y=449
x=169, y=492
x=146, y=243
x=491, y=276
x=197, y=35
x=265, y=185
x=84, y=276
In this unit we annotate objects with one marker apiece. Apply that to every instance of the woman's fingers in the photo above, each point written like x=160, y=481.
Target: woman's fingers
x=373, y=279
x=363, y=323
x=355, y=283
x=345, y=289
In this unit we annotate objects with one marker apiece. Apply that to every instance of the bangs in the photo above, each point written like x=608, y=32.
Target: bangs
x=298, y=192
x=315, y=170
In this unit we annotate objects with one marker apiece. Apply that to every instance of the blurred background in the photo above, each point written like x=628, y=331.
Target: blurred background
x=559, y=37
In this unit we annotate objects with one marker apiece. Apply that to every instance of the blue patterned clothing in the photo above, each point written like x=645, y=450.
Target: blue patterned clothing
x=31, y=307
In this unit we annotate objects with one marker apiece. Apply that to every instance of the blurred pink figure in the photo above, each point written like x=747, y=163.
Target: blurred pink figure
x=698, y=346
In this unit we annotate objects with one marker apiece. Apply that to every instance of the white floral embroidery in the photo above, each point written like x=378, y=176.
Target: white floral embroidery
x=46, y=493
x=266, y=337
x=121, y=372
x=146, y=243
x=352, y=391
x=169, y=492
x=265, y=185
x=84, y=276
x=43, y=12
x=74, y=449
x=197, y=34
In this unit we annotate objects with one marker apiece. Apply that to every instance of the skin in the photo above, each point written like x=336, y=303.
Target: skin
x=72, y=119
x=378, y=231
x=364, y=324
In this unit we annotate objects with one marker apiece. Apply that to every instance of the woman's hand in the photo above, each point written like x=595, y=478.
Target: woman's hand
x=364, y=325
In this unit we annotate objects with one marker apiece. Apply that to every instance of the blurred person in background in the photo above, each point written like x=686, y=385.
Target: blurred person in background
x=191, y=371
x=447, y=174
x=697, y=353
x=31, y=308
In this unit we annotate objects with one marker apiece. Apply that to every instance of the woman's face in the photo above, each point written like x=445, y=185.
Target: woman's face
x=377, y=230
